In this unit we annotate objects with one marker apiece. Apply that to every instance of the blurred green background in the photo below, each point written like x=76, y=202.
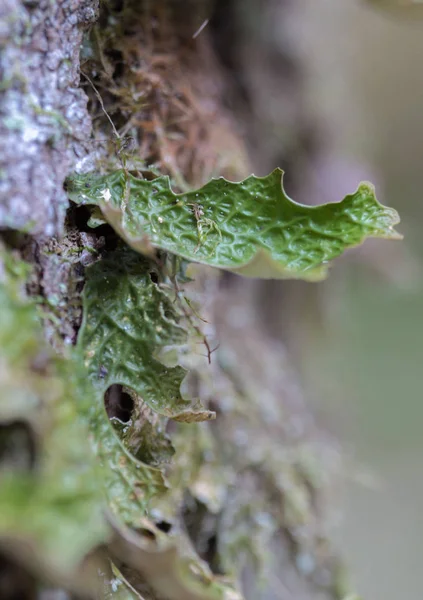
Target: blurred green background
x=365, y=367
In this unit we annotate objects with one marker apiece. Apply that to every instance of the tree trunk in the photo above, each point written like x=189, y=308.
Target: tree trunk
x=197, y=89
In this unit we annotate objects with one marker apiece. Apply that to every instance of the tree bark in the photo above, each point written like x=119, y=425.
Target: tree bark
x=230, y=87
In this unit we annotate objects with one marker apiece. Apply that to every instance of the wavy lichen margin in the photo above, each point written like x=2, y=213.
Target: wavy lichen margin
x=127, y=320
x=251, y=227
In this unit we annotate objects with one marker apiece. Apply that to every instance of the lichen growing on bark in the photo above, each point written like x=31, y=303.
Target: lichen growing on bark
x=240, y=502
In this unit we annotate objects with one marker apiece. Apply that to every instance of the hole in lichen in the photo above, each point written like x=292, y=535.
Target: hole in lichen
x=118, y=403
x=17, y=446
x=164, y=526
x=154, y=277
x=126, y=402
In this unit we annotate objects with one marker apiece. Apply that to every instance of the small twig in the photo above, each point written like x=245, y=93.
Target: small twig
x=193, y=310
x=200, y=29
x=210, y=352
x=198, y=331
x=188, y=316
x=100, y=99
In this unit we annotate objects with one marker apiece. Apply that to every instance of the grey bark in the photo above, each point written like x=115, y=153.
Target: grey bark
x=44, y=122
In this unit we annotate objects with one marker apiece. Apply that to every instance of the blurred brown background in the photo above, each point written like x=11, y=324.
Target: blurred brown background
x=364, y=368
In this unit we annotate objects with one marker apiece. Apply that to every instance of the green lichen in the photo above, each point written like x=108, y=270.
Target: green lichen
x=43, y=504
x=250, y=227
x=128, y=320
x=54, y=514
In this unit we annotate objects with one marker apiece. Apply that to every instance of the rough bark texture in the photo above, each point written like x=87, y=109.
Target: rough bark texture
x=44, y=121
